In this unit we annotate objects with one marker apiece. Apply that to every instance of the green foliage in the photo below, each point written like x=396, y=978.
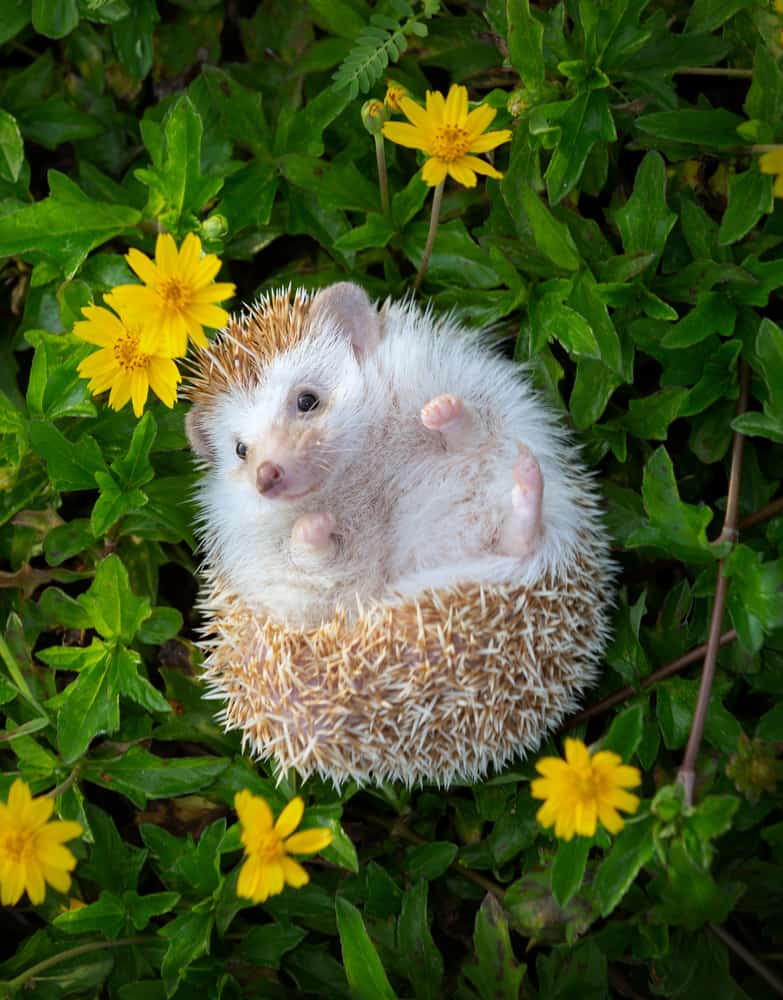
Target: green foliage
x=631, y=257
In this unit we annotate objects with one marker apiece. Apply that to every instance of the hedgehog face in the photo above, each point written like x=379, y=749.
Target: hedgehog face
x=284, y=437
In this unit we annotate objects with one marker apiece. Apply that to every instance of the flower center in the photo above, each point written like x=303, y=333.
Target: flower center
x=268, y=847
x=450, y=143
x=174, y=294
x=588, y=786
x=127, y=352
x=17, y=846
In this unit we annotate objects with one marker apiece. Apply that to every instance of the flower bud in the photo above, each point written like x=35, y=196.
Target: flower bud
x=214, y=228
x=394, y=93
x=374, y=116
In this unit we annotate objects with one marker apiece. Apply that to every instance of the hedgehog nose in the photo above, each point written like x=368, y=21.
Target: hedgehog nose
x=268, y=475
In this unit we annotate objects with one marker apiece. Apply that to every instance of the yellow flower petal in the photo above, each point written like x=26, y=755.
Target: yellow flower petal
x=141, y=264
x=290, y=818
x=478, y=119
x=456, y=110
x=772, y=162
x=405, y=135
x=434, y=171
x=462, y=173
x=483, y=143
x=415, y=113
x=274, y=878
x=294, y=873
x=253, y=811
x=166, y=256
x=309, y=841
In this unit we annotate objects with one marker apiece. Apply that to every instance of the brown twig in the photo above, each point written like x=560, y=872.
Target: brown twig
x=745, y=74
x=748, y=957
x=763, y=514
x=647, y=682
x=687, y=773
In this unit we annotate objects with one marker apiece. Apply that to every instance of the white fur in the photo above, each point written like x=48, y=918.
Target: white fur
x=410, y=514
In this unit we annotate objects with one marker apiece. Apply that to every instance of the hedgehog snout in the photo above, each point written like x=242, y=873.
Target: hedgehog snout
x=268, y=476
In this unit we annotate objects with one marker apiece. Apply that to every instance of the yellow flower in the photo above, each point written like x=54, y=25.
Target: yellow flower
x=179, y=292
x=131, y=361
x=447, y=132
x=268, y=868
x=31, y=847
x=772, y=163
x=582, y=789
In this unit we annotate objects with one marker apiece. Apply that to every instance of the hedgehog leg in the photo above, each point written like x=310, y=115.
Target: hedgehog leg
x=453, y=419
x=312, y=538
x=522, y=528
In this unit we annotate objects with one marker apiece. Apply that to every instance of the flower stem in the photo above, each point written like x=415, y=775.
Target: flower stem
x=748, y=957
x=437, y=197
x=64, y=785
x=383, y=180
x=12, y=985
x=686, y=776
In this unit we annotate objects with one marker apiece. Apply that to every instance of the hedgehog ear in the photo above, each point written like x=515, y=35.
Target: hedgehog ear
x=197, y=437
x=349, y=308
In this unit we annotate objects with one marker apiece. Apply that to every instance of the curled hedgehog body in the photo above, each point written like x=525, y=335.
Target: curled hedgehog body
x=406, y=573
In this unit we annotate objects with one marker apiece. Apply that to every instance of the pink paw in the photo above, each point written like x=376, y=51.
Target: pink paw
x=522, y=529
x=314, y=531
x=528, y=484
x=442, y=411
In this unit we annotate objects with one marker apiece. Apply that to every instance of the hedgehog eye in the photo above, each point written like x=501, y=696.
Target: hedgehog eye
x=306, y=401
x=242, y=450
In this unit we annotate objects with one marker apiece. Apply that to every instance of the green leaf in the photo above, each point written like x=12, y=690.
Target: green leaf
x=625, y=732
x=189, y=938
x=568, y=868
x=163, y=624
x=90, y=706
x=689, y=896
x=707, y=15
x=649, y=418
x=713, y=313
x=72, y=466
x=755, y=595
x=141, y=909
x=133, y=37
x=586, y=299
x=594, y=384
x=674, y=527
x=750, y=197
x=11, y=148
x=552, y=238
x=431, y=860
x=408, y=202
x=770, y=725
x=341, y=186
x=112, y=504
x=525, y=42
x=134, y=468
x=715, y=128
x=495, y=974
x=15, y=15
x=632, y=849
x=765, y=97
x=366, y=975
x=423, y=961
x=266, y=945
x=645, y=220
x=376, y=232
x=115, y=611
x=575, y=972
x=106, y=916
x=455, y=252
x=587, y=121
x=64, y=227
x=141, y=775
x=55, y=18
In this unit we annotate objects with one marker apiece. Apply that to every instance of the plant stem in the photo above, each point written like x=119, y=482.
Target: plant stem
x=647, y=682
x=35, y=970
x=763, y=514
x=687, y=773
x=748, y=957
x=437, y=197
x=383, y=180
x=745, y=74
x=64, y=785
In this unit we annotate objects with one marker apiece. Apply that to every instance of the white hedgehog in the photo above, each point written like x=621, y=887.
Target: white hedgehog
x=407, y=572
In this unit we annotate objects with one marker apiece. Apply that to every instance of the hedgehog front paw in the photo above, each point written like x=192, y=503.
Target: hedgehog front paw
x=522, y=528
x=312, y=537
x=452, y=418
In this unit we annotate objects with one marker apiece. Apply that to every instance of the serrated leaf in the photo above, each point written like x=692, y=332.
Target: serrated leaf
x=552, y=237
x=750, y=197
x=266, y=945
x=715, y=128
x=625, y=732
x=755, y=596
x=106, y=916
x=141, y=775
x=673, y=526
x=189, y=938
x=587, y=121
x=90, y=706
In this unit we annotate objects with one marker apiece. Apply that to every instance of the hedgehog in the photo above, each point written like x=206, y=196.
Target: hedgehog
x=406, y=573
